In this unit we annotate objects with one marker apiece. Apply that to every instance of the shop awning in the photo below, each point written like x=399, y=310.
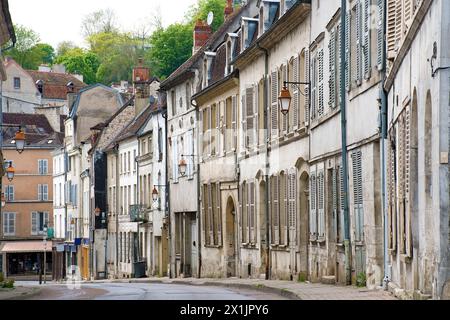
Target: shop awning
x=25, y=247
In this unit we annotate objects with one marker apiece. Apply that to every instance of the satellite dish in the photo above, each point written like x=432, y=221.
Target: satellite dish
x=210, y=18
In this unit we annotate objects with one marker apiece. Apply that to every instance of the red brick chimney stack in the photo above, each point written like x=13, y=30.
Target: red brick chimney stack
x=202, y=32
x=229, y=9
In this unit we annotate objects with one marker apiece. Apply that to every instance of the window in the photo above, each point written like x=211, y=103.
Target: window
x=174, y=103
x=39, y=220
x=150, y=144
x=134, y=160
x=129, y=161
x=275, y=92
x=9, y=224
x=358, y=196
x=292, y=206
x=275, y=209
x=16, y=83
x=334, y=67
x=211, y=208
x=9, y=193
x=43, y=167
x=188, y=95
x=160, y=144
x=249, y=117
x=144, y=147
x=313, y=207
x=43, y=192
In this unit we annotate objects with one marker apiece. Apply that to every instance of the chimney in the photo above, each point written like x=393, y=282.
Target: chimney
x=202, y=32
x=141, y=86
x=44, y=68
x=229, y=9
x=59, y=68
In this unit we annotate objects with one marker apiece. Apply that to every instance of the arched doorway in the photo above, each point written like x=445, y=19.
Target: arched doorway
x=303, y=225
x=230, y=240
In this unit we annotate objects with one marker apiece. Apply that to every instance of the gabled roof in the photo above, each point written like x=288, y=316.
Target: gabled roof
x=198, y=56
x=74, y=109
x=55, y=84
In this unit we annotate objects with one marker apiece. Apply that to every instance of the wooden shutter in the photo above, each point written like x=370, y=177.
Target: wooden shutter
x=380, y=34
x=398, y=24
x=335, y=200
x=348, y=60
x=274, y=104
x=244, y=121
x=34, y=222
x=321, y=107
x=408, y=12
x=210, y=215
x=332, y=68
x=342, y=200
x=313, y=206
x=234, y=122
x=321, y=204
x=276, y=209
x=296, y=97
x=250, y=138
x=391, y=26
x=219, y=216
x=241, y=212
x=252, y=213
x=408, y=195
x=367, y=45
x=338, y=63
x=40, y=193
x=307, y=77
x=256, y=114
x=313, y=87
x=358, y=196
x=284, y=214
x=205, y=213
x=359, y=43
x=292, y=191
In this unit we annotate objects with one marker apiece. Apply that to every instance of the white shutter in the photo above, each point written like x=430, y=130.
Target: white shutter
x=40, y=193
x=380, y=34
x=367, y=46
x=296, y=97
x=408, y=154
x=307, y=77
x=292, y=206
x=348, y=60
x=359, y=43
x=313, y=87
x=45, y=192
x=252, y=213
x=340, y=184
x=285, y=212
x=274, y=103
x=210, y=215
x=332, y=68
x=241, y=212
x=391, y=25
x=313, y=207
x=244, y=121
x=358, y=196
x=234, y=122
x=321, y=107
x=219, y=216
x=34, y=222
x=276, y=209
x=249, y=100
x=256, y=114
x=321, y=205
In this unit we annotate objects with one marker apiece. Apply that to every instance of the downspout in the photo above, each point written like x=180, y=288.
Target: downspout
x=384, y=136
x=267, y=162
x=347, y=240
x=165, y=116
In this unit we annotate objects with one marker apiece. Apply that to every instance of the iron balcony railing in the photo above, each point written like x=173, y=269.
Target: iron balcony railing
x=137, y=213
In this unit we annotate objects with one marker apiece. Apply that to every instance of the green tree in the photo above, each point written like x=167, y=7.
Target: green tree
x=44, y=52
x=170, y=48
x=203, y=7
x=22, y=52
x=78, y=61
x=65, y=46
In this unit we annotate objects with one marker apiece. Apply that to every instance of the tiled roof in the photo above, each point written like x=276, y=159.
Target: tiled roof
x=185, y=67
x=133, y=128
x=55, y=84
x=38, y=131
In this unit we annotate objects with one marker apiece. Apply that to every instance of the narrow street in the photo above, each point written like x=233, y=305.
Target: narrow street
x=135, y=291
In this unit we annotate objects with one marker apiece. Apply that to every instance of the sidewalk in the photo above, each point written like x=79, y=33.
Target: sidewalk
x=18, y=293
x=292, y=290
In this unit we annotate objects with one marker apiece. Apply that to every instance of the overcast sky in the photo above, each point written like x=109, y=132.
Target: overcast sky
x=60, y=20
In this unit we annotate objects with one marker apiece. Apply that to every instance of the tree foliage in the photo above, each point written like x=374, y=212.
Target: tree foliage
x=204, y=7
x=101, y=21
x=78, y=61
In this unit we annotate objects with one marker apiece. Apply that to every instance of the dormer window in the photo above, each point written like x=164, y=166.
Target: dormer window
x=286, y=5
x=231, y=45
x=70, y=87
x=207, y=68
x=40, y=86
x=268, y=14
x=249, y=28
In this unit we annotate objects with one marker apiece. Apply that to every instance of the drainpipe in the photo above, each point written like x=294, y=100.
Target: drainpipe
x=116, y=265
x=267, y=163
x=165, y=115
x=383, y=138
x=347, y=240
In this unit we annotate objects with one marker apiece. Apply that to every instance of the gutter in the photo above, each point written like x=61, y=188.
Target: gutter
x=267, y=162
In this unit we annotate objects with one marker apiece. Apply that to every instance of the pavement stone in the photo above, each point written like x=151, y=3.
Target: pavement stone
x=18, y=293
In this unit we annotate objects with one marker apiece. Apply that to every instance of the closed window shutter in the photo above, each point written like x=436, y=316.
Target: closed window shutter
x=359, y=43
x=175, y=159
x=338, y=63
x=245, y=214
x=332, y=68
x=296, y=97
x=313, y=86
x=391, y=25
x=210, y=215
x=250, y=117
x=244, y=121
x=292, y=206
x=34, y=222
x=307, y=77
x=217, y=129
x=358, y=196
x=252, y=213
x=348, y=64
x=256, y=100
x=241, y=211
x=313, y=206
x=334, y=188
x=234, y=121
x=408, y=14
x=398, y=24
x=219, y=216
x=367, y=45
x=274, y=103
x=321, y=83
x=45, y=193
x=40, y=192
x=204, y=213
x=380, y=34
x=408, y=235
x=321, y=205
x=276, y=209
x=342, y=203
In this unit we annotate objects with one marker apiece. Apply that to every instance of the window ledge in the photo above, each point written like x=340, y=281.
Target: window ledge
x=406, y=258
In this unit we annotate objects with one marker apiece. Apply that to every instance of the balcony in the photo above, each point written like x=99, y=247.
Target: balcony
x=137, y=213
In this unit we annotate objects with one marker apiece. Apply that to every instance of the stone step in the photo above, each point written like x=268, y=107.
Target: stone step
x=329, y=280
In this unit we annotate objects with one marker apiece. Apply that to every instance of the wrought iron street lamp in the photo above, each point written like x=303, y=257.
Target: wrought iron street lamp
x=10, y=172
x=20, y=141
x=3, y=200
x=285, y=98
x=182, y=167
